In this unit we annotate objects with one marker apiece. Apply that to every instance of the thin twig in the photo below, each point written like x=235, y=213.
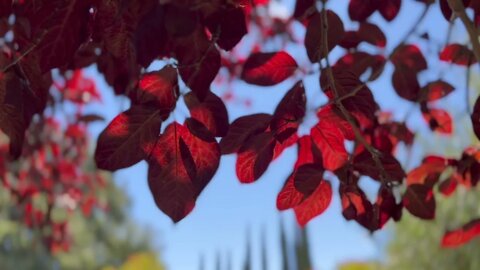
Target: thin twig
x=358, y=135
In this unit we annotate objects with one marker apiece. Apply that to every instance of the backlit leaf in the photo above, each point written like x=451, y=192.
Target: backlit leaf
x=267, y=69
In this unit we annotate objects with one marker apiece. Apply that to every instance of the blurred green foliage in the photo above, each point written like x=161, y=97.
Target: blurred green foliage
x=106, y=238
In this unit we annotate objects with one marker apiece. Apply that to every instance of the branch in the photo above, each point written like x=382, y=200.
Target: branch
x=459, y=10
x=358, y=135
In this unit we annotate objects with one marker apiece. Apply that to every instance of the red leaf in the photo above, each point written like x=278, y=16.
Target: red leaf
x=357, y=97
x=180, y=166
x=406, y=84
x=372, y=34
x=365, y=165
x=199, y=64
x=448, y=186
x=360, y=62
x=462, y=235
x=307, y=152
x=60, y=33
x=350, y=40
x=242, y=129
x=230, y=23
x=410, y=57
x=389, y=8
x=314, y=40
x=458, y=54
x=314, y=205
x=212, y=113
x=329, y=139
x=289, y=113
x=419, y=201
x=304, y=8
x=426, y=174
x=289, y=196
x=439, y=120
x=355, y=204
x=148, y=46
x=267, y=69
x=254, y=157
x=159, y=89
x=436, y=90
x=120, y=144
x=360, y=10
x=307, y=178
x=476, y=118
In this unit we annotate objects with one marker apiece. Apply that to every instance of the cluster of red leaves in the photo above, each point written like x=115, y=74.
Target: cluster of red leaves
x=52, y=168
x=200, y=36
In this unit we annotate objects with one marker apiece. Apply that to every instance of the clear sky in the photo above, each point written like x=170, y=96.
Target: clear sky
x=226, y=208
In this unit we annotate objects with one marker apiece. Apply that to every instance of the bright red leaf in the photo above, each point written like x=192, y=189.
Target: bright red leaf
x=314, y=205
x=462, y=235
x=267, y=69
x=458, y=54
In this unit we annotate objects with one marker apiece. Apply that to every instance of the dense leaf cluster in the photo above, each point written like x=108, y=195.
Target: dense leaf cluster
x=196, y=39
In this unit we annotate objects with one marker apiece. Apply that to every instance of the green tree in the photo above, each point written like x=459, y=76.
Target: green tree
x=107, y=238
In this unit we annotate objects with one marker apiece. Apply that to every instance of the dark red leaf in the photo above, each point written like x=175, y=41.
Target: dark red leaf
x=289, y=113
x=350, y=40
x=199, y=64
x=89, y=118
x=176, y=157
x=230, y=23
x=314, y=37
x=372, y=34
x=476, y=118
x=254, y=157
x=315, y=204
x=62, y=32
x=389, y=8
x=307, y=178
x=242, y=129
x=360, y=62
x=212, y=113
x=150, y=46
x=419, y=201
x=366, y=165
x=462, y=235
x=267, y=69
x=458, y=54
x=120, y=144
x=410, y=57
x=304, y=8
x=360, y=10
x=406, y=84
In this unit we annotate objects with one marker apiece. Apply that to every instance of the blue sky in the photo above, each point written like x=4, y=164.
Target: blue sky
x=226, y=208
